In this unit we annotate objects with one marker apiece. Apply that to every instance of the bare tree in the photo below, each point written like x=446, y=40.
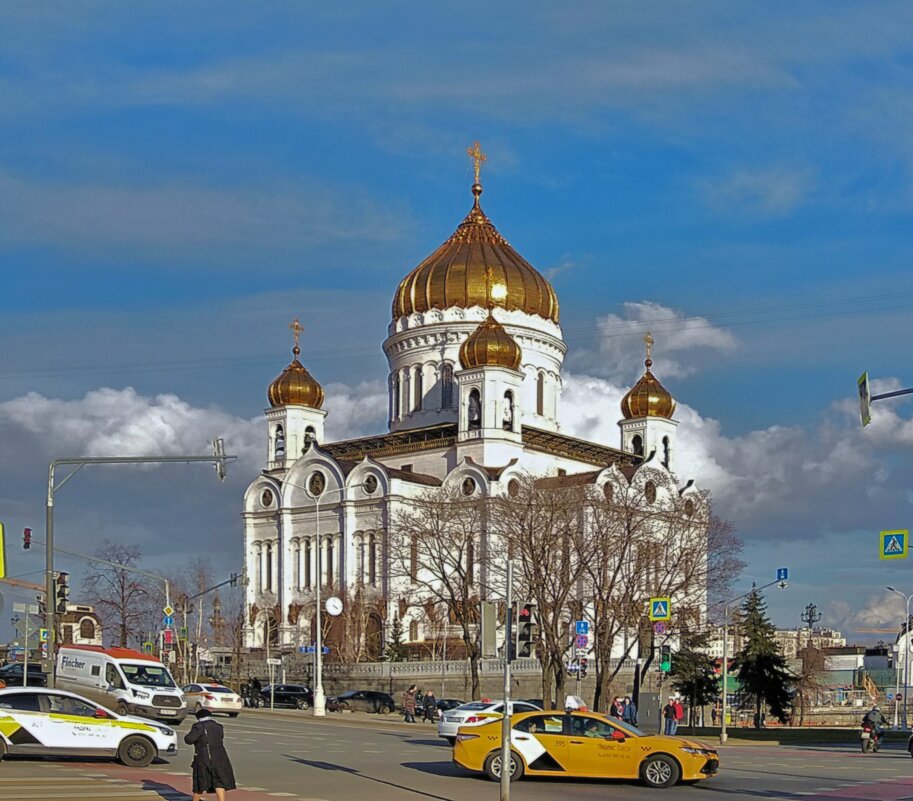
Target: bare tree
x=359, y=627
x=436, y=547
x=810, y=678
x=120, y=596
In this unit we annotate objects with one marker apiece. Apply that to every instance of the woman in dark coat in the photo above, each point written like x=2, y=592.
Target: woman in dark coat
x=212, y=771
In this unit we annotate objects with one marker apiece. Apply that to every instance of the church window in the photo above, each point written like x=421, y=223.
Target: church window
x=689, y=507
x=475, y=410
x=413, y=630
x=86, y=629
x=419, y=389
x=447, y=386
x=413, y=559
x=260, y=586
x=470, y=562
x=608, y=493
x=507, y=422
x=540, y=394
x=513, y=488
x=372, y=559
x=666, y=451
x=650, y=492
x=330, y=566
x=396, y=390
x=637, y=445
x=308, y=578
x=360, y=561
x=280, y=442
x=269, y=567
x=296, y=558
x=310, y=437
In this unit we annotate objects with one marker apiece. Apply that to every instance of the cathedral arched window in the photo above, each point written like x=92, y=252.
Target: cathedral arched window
x=260, y=586
x=308, y=576
x=470, y=562
x=87, y=629
x=280, y=442
x=360, y=560
x=296, y=560
x=372, y=559
x=447, y=386
x=540, y=394
x=666, y=451
x=475, y=410
x=269, y=567
x=637, y=445
x=419, y=390
x=413, y=559
x=413, y=630
x=310, y=437
x=507, y=420
x=650, y=492
x=396, y=391
x=330, y=566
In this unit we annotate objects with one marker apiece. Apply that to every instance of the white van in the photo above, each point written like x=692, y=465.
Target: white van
x=131, y=682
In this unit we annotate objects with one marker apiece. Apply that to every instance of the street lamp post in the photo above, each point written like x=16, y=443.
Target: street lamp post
x=905, y=646
x=218, y=458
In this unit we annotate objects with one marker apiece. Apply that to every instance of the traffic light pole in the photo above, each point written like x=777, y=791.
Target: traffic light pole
x=505, y=720
x=218, y=459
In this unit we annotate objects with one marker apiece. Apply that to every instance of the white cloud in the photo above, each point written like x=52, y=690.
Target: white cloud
x=771, y=192
x=882, y=611
x=355, y=411
x=679, y=342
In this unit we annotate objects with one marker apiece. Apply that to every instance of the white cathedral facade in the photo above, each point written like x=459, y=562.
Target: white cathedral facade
x=475, y=351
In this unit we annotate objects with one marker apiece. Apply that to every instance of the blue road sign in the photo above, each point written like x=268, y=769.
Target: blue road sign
x=782, y=573
x=167, y=621
x=583, y=627
x=660, y=609
x=894, y=544
x=306, y=649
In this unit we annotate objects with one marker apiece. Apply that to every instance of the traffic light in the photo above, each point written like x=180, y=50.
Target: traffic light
x=581, y=671
x=665, y=658
x=527, y=630
x=26, y=539
x=61, y=592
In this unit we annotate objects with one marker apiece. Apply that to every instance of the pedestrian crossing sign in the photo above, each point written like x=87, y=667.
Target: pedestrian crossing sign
x=660, y=609
x=894, y=544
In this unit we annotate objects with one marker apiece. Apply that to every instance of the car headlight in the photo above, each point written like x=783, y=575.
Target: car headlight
x=698, y=751
x=167, y=732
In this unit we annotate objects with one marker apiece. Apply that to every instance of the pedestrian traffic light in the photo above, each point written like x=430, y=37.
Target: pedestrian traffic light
x=61, y=592
x=581, y=671
x=665, y=658
x=527, y=630
x=26, y=539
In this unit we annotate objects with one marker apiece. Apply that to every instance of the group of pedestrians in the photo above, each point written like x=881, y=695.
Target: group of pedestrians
x=624, y=709
x=413, y=701
x=673, y=712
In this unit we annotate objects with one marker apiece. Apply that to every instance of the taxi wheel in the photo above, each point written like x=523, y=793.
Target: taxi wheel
x=492, y=767
x=136, y=752
x=660, y=770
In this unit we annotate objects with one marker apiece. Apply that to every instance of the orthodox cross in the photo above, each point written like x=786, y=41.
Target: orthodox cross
x=477, y=156
x=648, y=341
x=296, y=328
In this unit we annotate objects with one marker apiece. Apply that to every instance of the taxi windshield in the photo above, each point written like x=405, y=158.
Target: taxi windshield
x=147, y=675
x=633, y=730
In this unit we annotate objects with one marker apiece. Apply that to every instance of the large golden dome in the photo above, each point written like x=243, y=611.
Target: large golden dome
x=490, y=346
x=455, y=274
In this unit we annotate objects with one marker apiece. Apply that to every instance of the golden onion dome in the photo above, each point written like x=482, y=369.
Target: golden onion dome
x=295, y=386
x=648, y=398
x=490, y=346
x=455, y=274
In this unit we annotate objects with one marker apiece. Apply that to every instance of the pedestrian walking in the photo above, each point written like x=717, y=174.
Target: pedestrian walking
x=629, y=715
x=409, y=704
x=679, y=713
x=212, y=771
x=429, y=706
x=669, y=721
x=714, y=715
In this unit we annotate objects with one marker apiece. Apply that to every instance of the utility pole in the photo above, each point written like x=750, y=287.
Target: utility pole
x=505, y=720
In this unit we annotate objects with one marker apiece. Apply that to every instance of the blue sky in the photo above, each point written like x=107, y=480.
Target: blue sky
x=177, y=183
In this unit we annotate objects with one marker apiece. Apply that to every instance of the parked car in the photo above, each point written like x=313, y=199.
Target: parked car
x=214, y=697
x=446, y=704
x=362, y=701
x=477, y=713
x=11, y=675
x=288, y=695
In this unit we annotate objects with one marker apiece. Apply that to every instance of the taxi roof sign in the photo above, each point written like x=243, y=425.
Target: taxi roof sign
x=660, y=609
x=894, y=544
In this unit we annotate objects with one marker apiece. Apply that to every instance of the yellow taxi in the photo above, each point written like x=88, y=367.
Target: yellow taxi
x=583, y=744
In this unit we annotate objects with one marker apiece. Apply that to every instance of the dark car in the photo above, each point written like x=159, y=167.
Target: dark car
x=12, y=675
x=289, y=695
x=446, y=704
x=362, y=701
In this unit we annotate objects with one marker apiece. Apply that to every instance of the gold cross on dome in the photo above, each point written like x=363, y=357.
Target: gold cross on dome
x=296, y=328
x=477, y=156
x=648, y=341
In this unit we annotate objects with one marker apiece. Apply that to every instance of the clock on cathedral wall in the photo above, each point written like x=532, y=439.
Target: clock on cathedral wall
x=317, y=484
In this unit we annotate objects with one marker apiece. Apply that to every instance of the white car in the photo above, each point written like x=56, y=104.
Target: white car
x=213, y=697
x=51, y=722
x=475, y=713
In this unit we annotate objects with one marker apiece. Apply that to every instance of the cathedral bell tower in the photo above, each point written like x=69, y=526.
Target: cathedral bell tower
x=295, y=418
x=647, y=426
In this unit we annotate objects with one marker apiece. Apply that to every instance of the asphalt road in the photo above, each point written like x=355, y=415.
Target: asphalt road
x=294, y=756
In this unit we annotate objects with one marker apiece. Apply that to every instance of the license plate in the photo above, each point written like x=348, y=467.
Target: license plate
x=167, y=712
x=454, y=720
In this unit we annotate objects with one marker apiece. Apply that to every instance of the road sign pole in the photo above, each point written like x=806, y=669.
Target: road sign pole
x=505, y=720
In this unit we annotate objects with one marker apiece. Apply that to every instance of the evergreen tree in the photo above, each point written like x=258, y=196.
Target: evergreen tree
x=760, y=666
x=693, y=674
x=396, y=648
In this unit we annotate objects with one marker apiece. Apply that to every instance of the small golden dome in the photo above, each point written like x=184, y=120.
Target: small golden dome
x=455, y=274
x=648, y=398
x=295, y=386
x=490, y=346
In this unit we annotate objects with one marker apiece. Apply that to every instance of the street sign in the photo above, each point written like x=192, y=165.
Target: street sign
x=167, y=622
x=660, y=609
x=306, y=649
x=899, y=697
x=582, y=627
x=865, y=399
x=782, y=573
x=148, y=647
x=274, y=661
x=894, y=544
x=183, y=632
x=42, y=635
x=890, y=696
x=659, y=627
x=168, y=637
x=578, y=652
x=168, y=611
x=582, y=641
